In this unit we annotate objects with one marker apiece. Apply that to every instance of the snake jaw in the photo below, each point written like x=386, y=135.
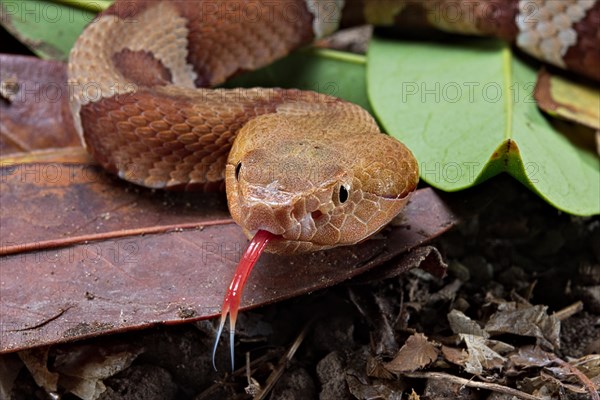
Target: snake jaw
x=233, y=295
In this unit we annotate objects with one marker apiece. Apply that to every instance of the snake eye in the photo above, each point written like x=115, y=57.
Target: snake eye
x=238, y=168
x=343, y=194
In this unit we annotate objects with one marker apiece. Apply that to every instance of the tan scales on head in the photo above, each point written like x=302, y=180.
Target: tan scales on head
x=315, y=183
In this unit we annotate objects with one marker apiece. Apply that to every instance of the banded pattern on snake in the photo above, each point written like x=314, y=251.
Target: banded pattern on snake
x=144, y=119
x=313, y=170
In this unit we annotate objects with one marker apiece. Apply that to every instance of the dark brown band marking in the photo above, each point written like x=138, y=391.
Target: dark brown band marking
x=142, y=67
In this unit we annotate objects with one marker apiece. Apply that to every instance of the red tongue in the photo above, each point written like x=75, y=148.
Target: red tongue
x=233, y=296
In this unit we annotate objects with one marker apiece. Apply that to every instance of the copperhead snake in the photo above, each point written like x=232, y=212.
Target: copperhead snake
x=302, y=170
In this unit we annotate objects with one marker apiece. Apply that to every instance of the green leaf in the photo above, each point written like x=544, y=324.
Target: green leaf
x=330, y=72
x=48, y=28
x=467, y=112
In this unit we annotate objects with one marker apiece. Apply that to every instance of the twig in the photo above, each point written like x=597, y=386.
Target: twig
x=253, y=387
x=494, y=387
x=276, y=374
x=84, y=239
x=46, y=321
x=569, y=311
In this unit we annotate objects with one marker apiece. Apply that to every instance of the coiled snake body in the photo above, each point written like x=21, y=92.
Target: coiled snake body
x=313, y=170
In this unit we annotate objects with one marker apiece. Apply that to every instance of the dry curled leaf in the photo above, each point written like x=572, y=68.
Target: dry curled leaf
x=589, y=365
x=530, y=321
x=34, y=111
x=36, y=361
x=555, y=375
x=414, y=396
x=417, y=352
x=480, y=356
x=376, y=369
x=83, y=367
x=460, y=323
x=568, y=99
x=454, y=355
x=530, y=356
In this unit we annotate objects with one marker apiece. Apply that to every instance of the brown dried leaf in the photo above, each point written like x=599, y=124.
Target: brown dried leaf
x=500, y=347
x=36, y=361
x=376, y=369
x=83, y=368
x=36, y=116
x=128, y=279
x=589, y=365
x=568, y=99
x=546, y=389
x=527, y=321
x=531, y=356
x=460, y=323
x=70, y=202
x=559, y=382
x=481, y=357
x=416, y=353
x=455, y=356
x=556, y=375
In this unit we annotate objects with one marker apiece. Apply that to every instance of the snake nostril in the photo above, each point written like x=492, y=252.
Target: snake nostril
x=316, y=215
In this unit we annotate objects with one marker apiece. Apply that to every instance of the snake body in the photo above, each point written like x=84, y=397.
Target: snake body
x=311, y=168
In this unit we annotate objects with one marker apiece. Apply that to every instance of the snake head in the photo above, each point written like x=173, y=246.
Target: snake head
x=316, y=188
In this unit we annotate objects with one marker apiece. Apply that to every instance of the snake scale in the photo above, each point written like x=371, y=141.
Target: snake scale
x=305, y=170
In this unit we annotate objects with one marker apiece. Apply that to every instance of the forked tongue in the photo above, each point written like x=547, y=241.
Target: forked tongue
x=233, y=296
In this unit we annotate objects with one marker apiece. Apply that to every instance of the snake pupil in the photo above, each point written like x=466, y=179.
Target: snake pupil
x=237, y=171
x=343, y=194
